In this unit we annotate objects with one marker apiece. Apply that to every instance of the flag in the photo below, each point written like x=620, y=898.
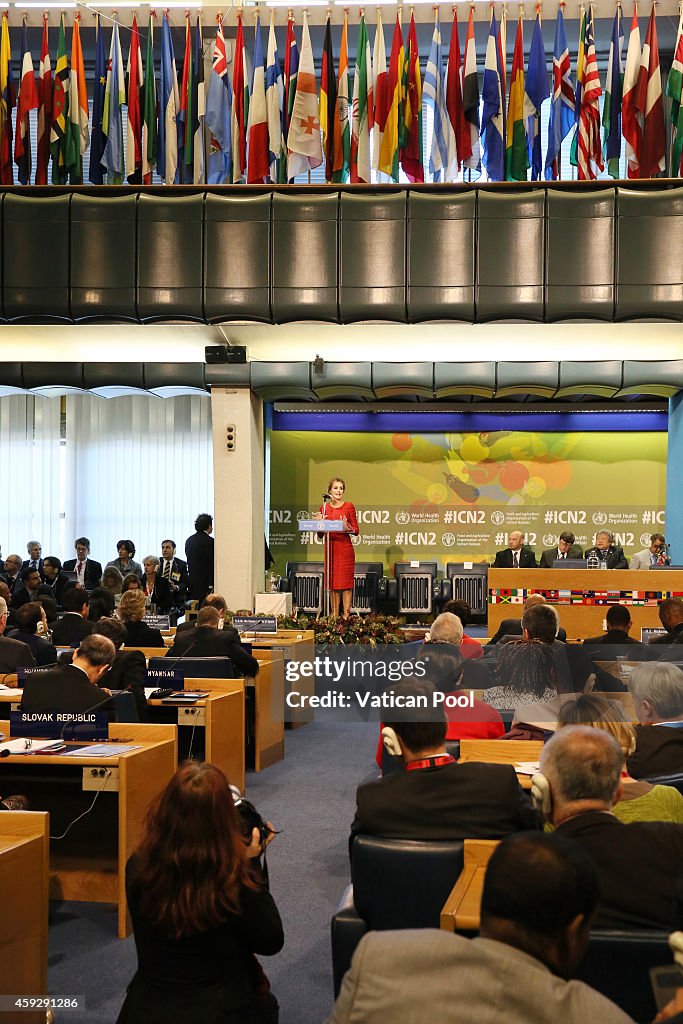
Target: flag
x=470, y=95
x=328, y=101
x=517, y=154
x=393, y=127
x=198, y=107
x=674, y=90
x=258, y=158
x=134, y=115
x=44, y=109
x=77, y=134
x=7, y=102
x=28, y=100
x=454, y=102
x=60, y=110
x=363, y=114
x=97, y=139
x=240, y=106
x=536, y=90
x=589, y=148
x=291, y=74
x=611, y=111
x=580, y=70
x=219, y=114
x=149, y=109
x=112, y=119
x=563, y=100
x=443, y=164
x=342, y=131
x=631, y=123
x=412, y=159
x=379, y=89
x=185, y=155
x=275, y=93
x=493, y=156
x=649, y=104
x=304, y=147
x=502, y=61
x=167, y=153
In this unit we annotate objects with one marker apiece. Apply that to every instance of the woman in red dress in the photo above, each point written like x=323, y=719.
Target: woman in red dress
x=342, y=559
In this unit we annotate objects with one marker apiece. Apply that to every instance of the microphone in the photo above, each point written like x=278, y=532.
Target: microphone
x=73, y=724
x=327, y=497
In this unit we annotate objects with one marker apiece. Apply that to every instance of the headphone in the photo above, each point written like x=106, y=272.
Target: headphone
x=541, y=794
x=390, y=741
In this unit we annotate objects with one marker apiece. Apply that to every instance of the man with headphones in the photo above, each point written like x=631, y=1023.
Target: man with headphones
x=435, y=798
x=605, y=550
x=639, y=864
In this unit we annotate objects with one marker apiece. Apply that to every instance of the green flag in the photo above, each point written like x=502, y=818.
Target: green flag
x=149, y=110
x=60, y=111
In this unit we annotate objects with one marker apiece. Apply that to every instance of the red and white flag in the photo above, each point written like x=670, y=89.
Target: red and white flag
x=631, y=121
x=649, y=104
x=44, y=110
x=304, y=143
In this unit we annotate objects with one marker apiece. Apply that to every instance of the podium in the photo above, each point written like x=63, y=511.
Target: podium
x=582, y=596
x=326, y=527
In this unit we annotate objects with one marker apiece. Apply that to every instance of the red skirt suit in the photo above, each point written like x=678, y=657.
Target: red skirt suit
x=342, y=558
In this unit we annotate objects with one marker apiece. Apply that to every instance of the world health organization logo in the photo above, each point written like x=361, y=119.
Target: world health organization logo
x=402, y=517
x=448, y=540
x=599, y=518
x=498, y=518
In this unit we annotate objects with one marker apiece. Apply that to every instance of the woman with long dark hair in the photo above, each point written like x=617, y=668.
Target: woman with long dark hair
x=201, y=910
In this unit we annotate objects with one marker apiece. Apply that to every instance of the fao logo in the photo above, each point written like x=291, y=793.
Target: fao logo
x=448, y=540
x=549, y=539
x=645, y=539
x=498, y=518
x=599, y=518
x=402, y=517
x=302, y=515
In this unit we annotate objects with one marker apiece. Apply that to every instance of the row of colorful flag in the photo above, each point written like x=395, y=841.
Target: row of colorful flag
x=271, y=124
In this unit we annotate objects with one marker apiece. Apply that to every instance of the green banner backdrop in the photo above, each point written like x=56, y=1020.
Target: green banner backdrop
x=455, y=497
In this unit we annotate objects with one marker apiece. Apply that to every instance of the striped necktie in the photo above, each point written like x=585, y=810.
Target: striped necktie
x=166, y=574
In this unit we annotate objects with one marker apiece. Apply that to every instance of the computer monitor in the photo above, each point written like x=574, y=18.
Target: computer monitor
x=569, y=563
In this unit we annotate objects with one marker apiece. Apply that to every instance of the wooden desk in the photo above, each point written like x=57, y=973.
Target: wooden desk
x=571, y=590
x=24, y=859
x=462, y=909
x=294, y=645
x=92, y=867
x=268, y=691
x=220, y=719
x=502, y=752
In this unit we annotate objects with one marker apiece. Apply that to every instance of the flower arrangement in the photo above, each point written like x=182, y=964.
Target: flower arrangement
x=373, y=629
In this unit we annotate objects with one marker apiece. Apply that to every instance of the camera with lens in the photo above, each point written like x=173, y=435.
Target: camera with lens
x=249, y=818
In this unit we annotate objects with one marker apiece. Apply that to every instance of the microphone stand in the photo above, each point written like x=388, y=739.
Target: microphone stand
x=326, y=565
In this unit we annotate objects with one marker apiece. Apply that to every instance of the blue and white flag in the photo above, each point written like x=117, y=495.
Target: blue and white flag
x=443, y=157
x=563, y=101
x=112, y=119
x=275, y=96
x=493, y=156
x=167, y=155
x=218, y=115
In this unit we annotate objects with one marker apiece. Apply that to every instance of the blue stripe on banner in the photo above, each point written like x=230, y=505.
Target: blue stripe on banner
x=446, y=422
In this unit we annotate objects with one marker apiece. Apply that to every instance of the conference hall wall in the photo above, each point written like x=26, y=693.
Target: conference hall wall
x=456, y=495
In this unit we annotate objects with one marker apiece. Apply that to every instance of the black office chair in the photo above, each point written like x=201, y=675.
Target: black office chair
x=617, y=964
x=396, y=883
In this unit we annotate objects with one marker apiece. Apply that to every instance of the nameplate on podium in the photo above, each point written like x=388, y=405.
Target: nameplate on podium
x=163, y=678
x=321, y=526
x=157, y=621
x=56, y=725
x=255, y=623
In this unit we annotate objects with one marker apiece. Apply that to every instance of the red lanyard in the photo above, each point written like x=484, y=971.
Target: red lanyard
x=430, y=762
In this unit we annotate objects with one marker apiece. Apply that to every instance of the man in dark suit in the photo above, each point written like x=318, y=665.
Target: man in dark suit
x=615, y=643
x=638, y=864
x=34, y=561
x=129, y=668
x=566, y=548
x=669, y=646
x=30, y=588
x=517, y=556
x=13, y=653
x=216, y=601
x=206, y=640
x=436, y=798
x=174, y=570
x=513, y=627
x=75, y=687
x=54, y=579
x=88, y=571
x=605, y=550
x=12, y=573
x=73, y=625
x=657, y=691
x=199, y=554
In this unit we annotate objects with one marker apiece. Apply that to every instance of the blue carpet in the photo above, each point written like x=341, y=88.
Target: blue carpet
x=311, y=797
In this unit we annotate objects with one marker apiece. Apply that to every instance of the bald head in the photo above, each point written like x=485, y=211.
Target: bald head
x=515, y=540
x=583, y=768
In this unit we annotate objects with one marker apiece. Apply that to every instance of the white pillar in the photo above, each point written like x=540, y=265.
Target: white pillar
x=238, y=494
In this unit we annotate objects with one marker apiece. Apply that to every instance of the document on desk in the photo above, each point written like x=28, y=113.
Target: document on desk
x=102, y=750
x=527, y=767
x=7, y=689
x=28, y=746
